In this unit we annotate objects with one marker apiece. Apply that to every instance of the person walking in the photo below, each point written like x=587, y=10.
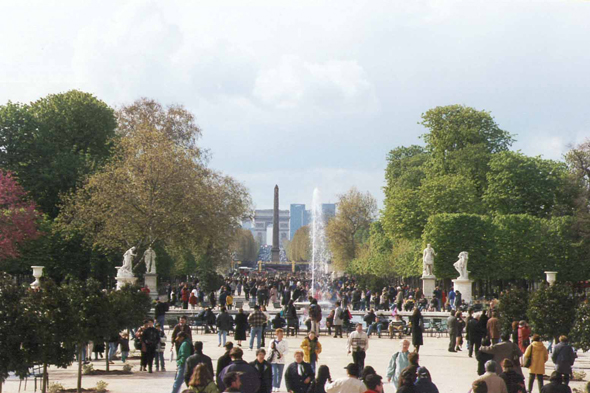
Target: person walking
x=358, y=344
x=150, y=338
x=248, y=376
x=493, y=381
x=493, y=328
x=184, y=351
x=417, y=329
x=202, y=381
x=182, y=326
x=160, y=312
x=278, y=348
x=194, y=360
x=505, y=350
x=224, y=324
x=513, y=380
x=563, y=357
x=262, y=366
x=318, y=385
x=241, y=326
x=538, y=355
x=298, y=375
x=160, y=348
x=338, y=320
x=452, y=326
x=256, y=320
x=424, y=383
x=397, y=363
x=350, y=384
x=315, y=315
x=223, y=361
x=311, y=349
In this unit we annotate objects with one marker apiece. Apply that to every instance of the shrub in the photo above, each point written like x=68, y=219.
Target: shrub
x=55, y=387
x=101, y=386
x=127, y=367
x=87, y=369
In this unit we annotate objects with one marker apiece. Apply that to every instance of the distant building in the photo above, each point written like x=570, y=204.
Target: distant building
x=263, y=221
x=301, y=217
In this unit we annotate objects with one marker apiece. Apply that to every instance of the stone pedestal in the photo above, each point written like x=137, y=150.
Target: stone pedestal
x=464, y=286
x=151, y=283
x=428, y=285
x=124, y=279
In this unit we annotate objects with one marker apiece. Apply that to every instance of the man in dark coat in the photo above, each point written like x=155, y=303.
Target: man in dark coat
x=505, y=350
x=298, y=374
x=181, y=327
x=474, y=336
x=564, y=357
x=452, y=326
x=248, y=376
x=196, y=359
x=224, y=360
x=556, y=385
x=149, y=342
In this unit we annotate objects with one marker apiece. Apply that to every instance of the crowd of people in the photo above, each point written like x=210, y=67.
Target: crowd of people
x=500, y=356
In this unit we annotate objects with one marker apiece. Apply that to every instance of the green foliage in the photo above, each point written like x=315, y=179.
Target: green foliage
x=101, y=386
x=450, y=234
x=518, y=184
x=461, y=141
x=131, y=306
x=244, y=247
x=552, y=310
x=56, y=387
x=512, y=306
x=405, y=166
x=54, y=142
x=403, y=216
x=580, y=334
x=448, y=194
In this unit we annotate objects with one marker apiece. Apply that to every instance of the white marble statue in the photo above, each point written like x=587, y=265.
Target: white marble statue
x=149, y=257
x=461, y=266
x=127, y=268
x=428, y=261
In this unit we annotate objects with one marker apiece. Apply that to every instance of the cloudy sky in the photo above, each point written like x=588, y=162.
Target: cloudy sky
x=311, y=94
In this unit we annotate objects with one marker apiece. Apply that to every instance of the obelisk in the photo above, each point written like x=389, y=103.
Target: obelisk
x=274, y=252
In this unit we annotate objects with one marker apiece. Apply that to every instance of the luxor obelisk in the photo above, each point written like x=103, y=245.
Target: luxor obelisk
x=274, y=252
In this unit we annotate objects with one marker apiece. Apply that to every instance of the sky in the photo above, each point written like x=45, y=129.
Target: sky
x=308, y=94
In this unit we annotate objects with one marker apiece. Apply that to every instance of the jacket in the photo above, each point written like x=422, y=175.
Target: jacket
x=210, y=388
x=264, y=371
x=184, y=351
x=514, y=382
x=397, y=363
x=540, y=356
x=505, y=350
x=307, y=345
x=564, y=357
x=193, y=361
x=225, y=321
x=493, y=327
x=294, y=381
x=494, y=382
x=282, y=347
x=249, y=376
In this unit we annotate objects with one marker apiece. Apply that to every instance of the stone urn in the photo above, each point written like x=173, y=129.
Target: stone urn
x=37, y=273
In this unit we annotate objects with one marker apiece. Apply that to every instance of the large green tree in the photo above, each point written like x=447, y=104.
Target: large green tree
x=355, y=212
x=156, y=189
x=54, y=142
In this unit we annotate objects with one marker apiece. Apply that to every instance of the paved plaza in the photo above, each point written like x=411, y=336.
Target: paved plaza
x=451, y=372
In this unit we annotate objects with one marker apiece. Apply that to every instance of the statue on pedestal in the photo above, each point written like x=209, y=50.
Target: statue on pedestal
x=428, y=261
x=127, y=269
x=149, y=257
x=461, y=266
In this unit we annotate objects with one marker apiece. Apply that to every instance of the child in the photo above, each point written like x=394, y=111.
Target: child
x=124, y=342
x=311, y=349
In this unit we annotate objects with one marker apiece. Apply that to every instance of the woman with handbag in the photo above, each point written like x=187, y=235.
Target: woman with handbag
x=535, y=357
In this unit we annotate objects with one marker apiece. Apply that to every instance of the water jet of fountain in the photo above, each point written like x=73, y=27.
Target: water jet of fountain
x=318, y=240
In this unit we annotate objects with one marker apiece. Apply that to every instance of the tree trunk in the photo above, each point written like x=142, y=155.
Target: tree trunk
x=44, y=384
x=1, y=384
x=79, y=387
x=107, y=351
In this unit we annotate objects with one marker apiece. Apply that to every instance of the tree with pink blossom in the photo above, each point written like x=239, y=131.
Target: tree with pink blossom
x=19, y=217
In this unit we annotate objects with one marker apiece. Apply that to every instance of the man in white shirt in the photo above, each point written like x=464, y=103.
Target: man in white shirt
x=351, y=384
x=358, y=343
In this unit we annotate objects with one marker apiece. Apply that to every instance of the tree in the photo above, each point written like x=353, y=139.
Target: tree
x=156, y=190
x=13, y=329
x=462, y=140
x=450, y=234
x=512, y=307
x=355, y=213
x=244, y=247
x=448, y=194
x=300, y=246
x=54, y=142
x=578, y=161
x=541, y=312
x=580, y=334
x=18, y=217
x=518, y=184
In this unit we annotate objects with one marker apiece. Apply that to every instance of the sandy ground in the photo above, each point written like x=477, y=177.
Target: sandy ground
x=451, y=372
